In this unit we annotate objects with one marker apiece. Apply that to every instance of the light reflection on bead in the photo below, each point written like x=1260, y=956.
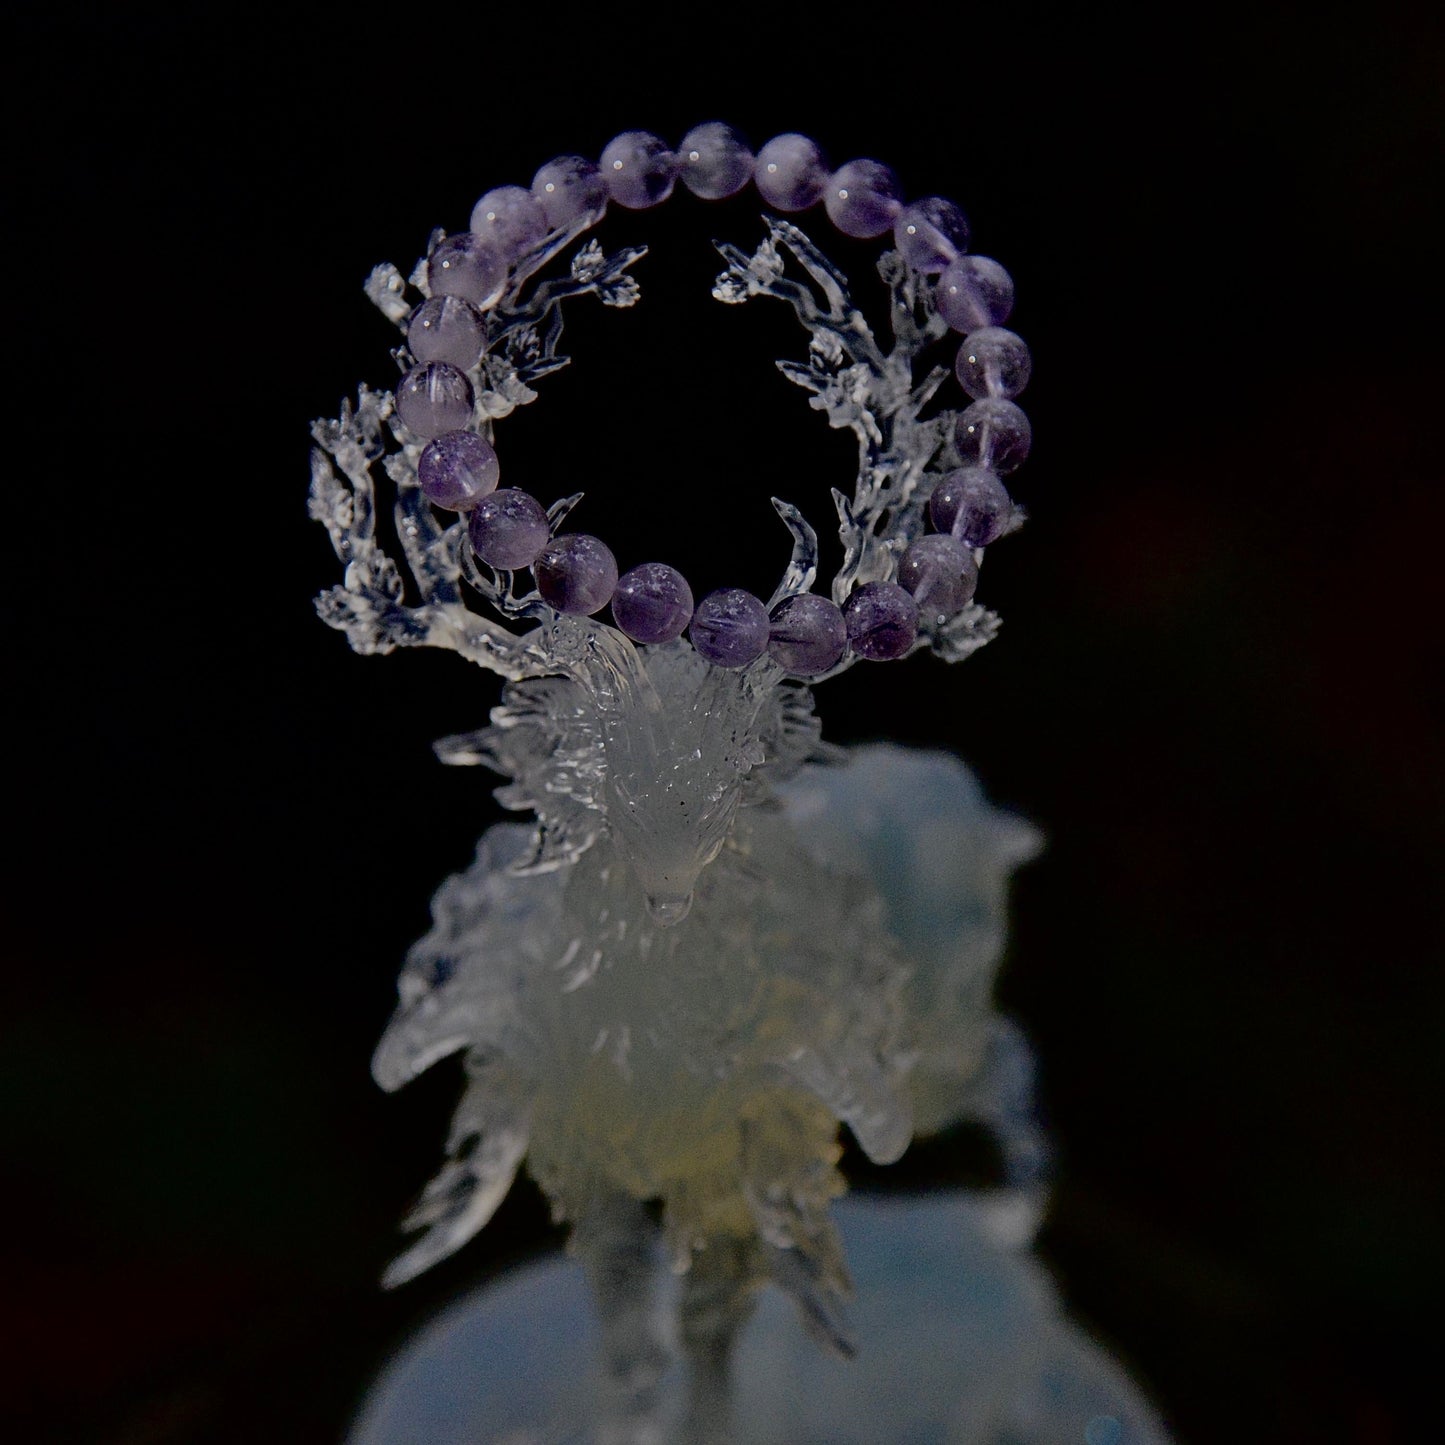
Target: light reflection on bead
x=508, y=529
x=466, y=266
x=652, y=603
x=930, y=234
x=638, y=169
x=790, y=172
x=457, y=469
x=511, y=219
x=446, y=328
x=940, y=573
x=974, y=291
x=993, y=433
x=434, y=398
x=569, y=188
x=863, y=199
x=972, y=505
x=993, y=362
x=714, y=161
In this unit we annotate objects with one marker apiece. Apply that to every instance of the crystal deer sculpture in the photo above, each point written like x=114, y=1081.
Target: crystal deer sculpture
x=694, y=959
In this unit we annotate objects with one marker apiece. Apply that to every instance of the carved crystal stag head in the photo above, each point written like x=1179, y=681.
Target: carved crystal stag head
x=650, y=747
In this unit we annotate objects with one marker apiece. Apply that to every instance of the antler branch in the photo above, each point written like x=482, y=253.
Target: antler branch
x=871, y=392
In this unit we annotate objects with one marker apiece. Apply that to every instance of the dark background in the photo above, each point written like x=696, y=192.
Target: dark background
x=1217, y=690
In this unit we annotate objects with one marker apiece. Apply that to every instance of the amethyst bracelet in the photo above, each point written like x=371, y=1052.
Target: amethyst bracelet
x=467, y=275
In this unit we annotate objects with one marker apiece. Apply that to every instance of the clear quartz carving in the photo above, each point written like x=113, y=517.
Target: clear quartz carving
x=714, y=938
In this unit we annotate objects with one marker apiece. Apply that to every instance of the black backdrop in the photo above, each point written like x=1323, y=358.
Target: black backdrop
x=1214, y=691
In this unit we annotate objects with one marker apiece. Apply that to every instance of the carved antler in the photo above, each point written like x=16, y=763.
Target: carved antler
x=872, y=393
x=521, y=347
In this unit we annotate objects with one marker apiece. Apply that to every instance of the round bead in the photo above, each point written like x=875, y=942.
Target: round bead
x=940, y=573
x=434, y=398
x=457, y=469
x=730, y=628
x=446, y=328
x=652, y=603
x=993, y=362
x=510, y=219
x=466, y=266
x=971, y=505
x=974, y=291
x=568, y=188
x=930, y=234
x=714, y=161
x=576, y=573
x=790, y=172
x=863, y=199
x=807, y=634
x=508, y=529
x=993, y=433
x=639, y=170
x=882, y=621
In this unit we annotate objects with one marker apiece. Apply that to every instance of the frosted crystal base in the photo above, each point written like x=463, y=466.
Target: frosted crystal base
x=963, y=1340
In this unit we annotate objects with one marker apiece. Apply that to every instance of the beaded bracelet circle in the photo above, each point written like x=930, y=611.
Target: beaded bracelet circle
x=481, y=334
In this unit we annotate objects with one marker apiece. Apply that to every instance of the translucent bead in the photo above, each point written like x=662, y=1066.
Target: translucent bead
x=882, y=621
x=446, y=328
x=510, y=219
x=639, y=170
x=790, y=172
x=972, y=505
x=457, y=469
x=508, y=529
x=569, y=188
x=652, y=603
x=807, y=634
x=974, y=291
x=930, y=234
x=576, y=573
x=730, y=628
x=993, y=433
x=863, y=199
x=466, y=266
x=434, y=398
x=714, y=161
x=940, y=573
x=993, y=362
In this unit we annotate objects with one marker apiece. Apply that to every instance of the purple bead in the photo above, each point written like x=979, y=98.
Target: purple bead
x=941, y=575
x=807, y=635
x=652, y=603
x=434, y=398
x=446, y=328
x=993, y=433
x=863, y=199
x=510, y=219
x=974, y=291
x=730, y=628
x=639, y=170
x=457, y=469
x=882, y=621
x=569, y=188
x=714, y=161
x=993, y=362
x=576, y=573
x=930, y=234
x=790, y=172
x=466, y=266
x=508, y=529
x=971, y=505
